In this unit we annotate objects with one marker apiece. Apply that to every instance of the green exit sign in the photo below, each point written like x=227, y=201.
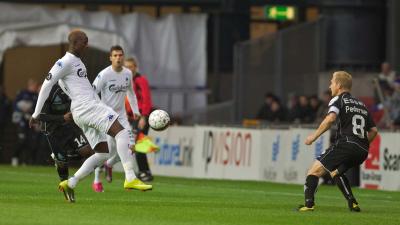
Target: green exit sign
x=280, y=12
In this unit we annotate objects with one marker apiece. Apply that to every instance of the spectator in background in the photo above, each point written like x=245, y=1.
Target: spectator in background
x=387, y=76
x=323, y=109
x=315, y=104
x=392, y=102
x=24, y=106
x=302, y=112
x=5, y=111
x=264, y=113
x=293, y=100
x=277, y=112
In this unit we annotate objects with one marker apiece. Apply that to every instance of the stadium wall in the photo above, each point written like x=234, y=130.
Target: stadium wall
x=275, y=155
x=171, y=50
x=235, y=153
x=381, y=169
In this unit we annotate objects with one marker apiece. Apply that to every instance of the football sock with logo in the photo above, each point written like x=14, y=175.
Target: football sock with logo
x=310, y=187
x=87, y=167
x=344, y=185
x=125, y=154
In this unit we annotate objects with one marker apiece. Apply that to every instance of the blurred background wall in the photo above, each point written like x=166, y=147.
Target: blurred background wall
x=284, y=47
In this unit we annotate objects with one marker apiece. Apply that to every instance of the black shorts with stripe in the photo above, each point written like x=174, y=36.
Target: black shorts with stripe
x=66, y=142
x=342, y=156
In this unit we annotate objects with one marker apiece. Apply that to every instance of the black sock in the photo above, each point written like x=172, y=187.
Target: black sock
x=344, y=185
x=62, y=172
x=310, y=187
x=141, y=160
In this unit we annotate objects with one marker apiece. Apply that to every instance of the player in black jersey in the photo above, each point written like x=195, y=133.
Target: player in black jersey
x=65, y=138
x=356, y=130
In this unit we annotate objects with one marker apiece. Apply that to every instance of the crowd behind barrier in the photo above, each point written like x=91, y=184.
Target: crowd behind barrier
x=384, y=104
x=20, y=144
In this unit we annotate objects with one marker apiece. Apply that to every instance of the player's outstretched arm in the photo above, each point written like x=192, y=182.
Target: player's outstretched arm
x=324, y=126
x=43, y=95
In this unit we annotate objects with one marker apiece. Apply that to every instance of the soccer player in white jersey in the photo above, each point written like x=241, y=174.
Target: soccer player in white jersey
x=94, y=118
x=114, y=83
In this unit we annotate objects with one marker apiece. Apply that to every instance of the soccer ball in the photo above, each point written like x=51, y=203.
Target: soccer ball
x=159, y=120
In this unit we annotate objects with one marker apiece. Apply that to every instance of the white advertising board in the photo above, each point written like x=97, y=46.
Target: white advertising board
x=175, y=157
x=277, y=155
x=227, y=153
x=273, y=154
x=381, y=170
x=285, y=157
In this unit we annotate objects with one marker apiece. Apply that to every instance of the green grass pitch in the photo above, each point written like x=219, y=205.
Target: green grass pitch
x=29, y=195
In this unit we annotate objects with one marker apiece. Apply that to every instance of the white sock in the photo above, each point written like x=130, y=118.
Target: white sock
x=97, y=175
x=125, y=154
x=112, y=149
x=87, y=167
x=112, y=161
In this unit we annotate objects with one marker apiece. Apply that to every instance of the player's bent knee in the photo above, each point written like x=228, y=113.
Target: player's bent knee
x=335, y=173
x=316, y=169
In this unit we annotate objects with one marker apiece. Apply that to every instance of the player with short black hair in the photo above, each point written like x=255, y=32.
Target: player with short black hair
x=117, y=48
x=356, y=130
x=114, y=83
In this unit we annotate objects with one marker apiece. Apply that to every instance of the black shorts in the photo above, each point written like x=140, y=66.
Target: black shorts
x=66, y=142
x=342, y=156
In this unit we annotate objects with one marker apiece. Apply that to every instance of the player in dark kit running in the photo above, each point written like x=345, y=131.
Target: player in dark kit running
x=356, y=130
x=65, y=138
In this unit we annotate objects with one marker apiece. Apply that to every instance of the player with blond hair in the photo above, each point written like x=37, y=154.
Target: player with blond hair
x=356, y=130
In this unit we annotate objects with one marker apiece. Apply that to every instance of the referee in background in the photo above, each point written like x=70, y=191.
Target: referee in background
x=143, y=95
